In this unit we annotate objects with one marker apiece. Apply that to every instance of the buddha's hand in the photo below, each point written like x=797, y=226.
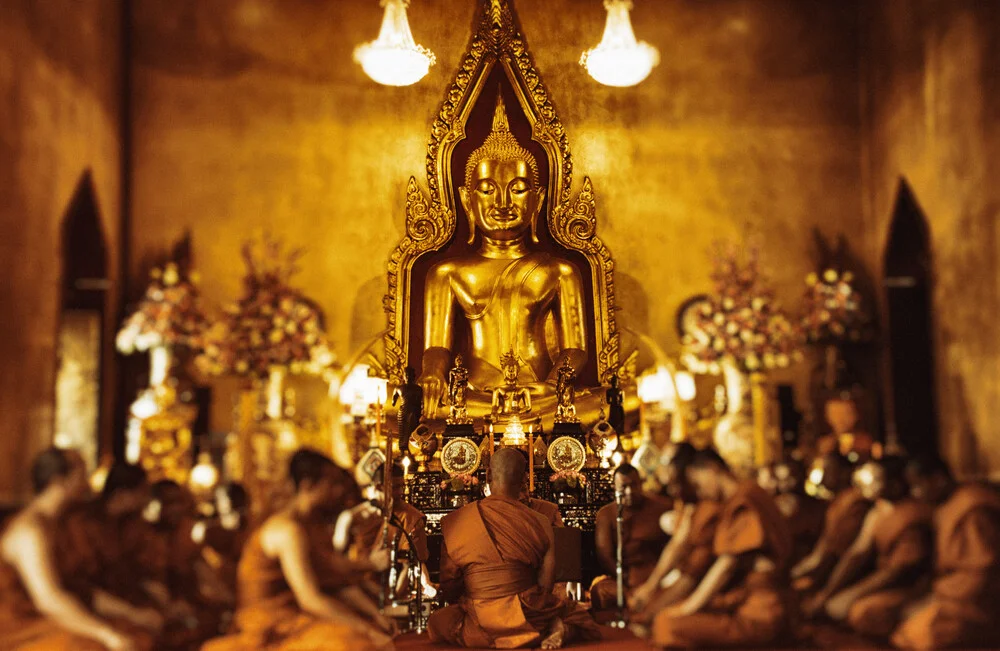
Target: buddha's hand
x=434, y=386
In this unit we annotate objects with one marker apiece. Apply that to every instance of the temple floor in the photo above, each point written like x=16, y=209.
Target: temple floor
x=614, y=640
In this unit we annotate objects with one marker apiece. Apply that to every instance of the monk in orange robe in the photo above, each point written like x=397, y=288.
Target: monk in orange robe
x=963, y=607
x=550, y=510
x=37, y=609
x=897, y=535
x=643, y=540
x=743, y=599
x=282, y=604
x=689, y=554
x=830, y=481
x=223, y=537
x=109, y=547
x=805, y=514
x=498, y=569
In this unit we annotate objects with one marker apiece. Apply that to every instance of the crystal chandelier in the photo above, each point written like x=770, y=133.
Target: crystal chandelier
x=393, y=59
x=619, y=60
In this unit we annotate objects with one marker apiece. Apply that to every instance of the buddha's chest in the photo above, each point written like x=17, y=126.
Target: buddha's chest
x=505, y=287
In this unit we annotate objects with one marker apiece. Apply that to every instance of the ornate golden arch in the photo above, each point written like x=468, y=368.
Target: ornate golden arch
x=431, y=220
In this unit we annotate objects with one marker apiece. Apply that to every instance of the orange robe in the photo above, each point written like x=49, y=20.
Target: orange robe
x=699, y=557
x=903, y=541
x=548, y=509
x=805, y=517
x=368, y=532
x=841, y=525
x=964, y=606
x=268, y=615
x=118, y=555
x=757, y=607
x=22, y=627
x=490, y=558
x=643, y=542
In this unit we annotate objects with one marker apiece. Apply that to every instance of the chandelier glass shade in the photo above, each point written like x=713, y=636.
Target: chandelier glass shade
x=394, y=59
x=619, y=59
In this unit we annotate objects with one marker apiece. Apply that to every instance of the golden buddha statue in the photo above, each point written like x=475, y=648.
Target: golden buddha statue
x=505, y=291
x=510, y=399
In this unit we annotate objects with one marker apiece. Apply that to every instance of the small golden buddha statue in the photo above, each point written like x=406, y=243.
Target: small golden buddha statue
x=505, y=291
x=510, y=399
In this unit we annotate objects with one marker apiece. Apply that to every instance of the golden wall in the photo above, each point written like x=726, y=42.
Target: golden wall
x=933, y=119
x=251, y=115
x=60, y=77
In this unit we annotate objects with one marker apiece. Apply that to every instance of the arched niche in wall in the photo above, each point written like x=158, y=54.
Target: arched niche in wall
x=82, y=317
x=907, y=281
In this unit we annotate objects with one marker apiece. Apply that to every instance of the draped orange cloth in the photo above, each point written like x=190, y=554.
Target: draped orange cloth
x=268, y=615
x=757, y=607
x=642, y=543
x=548, y=509
x=841, y=526
x=698, y=557
x=24, y=628
x=903, y=542
x=964, y=605
x=368, y=532
x=491, y=556
x=805, y=516
x=118, y=555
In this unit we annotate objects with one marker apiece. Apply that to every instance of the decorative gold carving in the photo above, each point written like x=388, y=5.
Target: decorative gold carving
x=460, y=456
x=430, y=219
x=566, y=453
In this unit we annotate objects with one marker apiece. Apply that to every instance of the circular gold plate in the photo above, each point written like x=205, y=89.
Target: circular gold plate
x=566, y=453
x=460, y=456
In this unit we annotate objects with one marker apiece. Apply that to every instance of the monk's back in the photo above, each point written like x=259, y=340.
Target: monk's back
x=517, y=533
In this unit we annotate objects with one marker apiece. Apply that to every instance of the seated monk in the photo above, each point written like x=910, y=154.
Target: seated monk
x=743, y=599
x=187, y=577
x=284, y=566
x=498, y=569
x=805, y=513
x=405, y=517
x=223, y=537
x=548, y=509
x=963, y=607
x=897, y=535
x=108, y=546
x=642, y=539
x=829, y=479
x=689, y=553
x=37, y=609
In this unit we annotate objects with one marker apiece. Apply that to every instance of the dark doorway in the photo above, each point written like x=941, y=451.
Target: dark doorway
x=82, y=320
x=912, y=416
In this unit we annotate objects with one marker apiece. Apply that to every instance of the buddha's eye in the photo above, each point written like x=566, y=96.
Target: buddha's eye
x=485, y=188
x=519, y=187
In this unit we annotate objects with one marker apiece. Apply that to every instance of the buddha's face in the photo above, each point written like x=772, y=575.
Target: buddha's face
x=501, y=201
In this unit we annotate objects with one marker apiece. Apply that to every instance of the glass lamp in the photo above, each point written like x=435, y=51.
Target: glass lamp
x=393, y=59
x=619, y=60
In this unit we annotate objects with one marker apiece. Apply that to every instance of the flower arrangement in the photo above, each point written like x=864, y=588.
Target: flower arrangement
x=833, y=310
x=460, y=483
x=569, y=478
x=272, y=325
x=742, y=323
x=169, y=314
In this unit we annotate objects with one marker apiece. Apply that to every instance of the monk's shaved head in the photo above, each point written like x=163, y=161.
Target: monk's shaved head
x=507, y=471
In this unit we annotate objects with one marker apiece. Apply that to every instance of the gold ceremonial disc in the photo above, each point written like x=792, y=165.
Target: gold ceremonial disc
x=460, y=456
x=566, y=453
